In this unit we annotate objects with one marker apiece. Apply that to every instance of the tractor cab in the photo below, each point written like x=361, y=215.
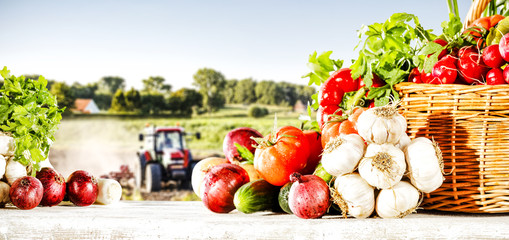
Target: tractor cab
x=164, y=156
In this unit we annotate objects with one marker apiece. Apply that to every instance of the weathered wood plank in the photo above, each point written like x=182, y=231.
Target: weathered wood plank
x=191, y=220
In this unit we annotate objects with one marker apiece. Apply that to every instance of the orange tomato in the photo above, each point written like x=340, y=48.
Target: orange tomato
x=281, y=154
x=335, y=128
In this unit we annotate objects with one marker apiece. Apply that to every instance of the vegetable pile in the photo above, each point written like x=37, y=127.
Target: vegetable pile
x=29, y=118
x=356, y=159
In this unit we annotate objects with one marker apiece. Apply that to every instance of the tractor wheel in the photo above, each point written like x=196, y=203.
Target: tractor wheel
x=139, y=173
x=153, y=177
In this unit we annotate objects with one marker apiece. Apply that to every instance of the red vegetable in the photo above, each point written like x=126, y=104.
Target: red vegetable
x=491, y=56
x=242, y=136
x=309, y=196
x=220, y=185
x=26, y=192
x=415, y=76
x=281, y=154
x=443, y=43
x=503, y=47
x=444, y=71
x=506, y=74
x=336, y=128
x=82, y=188
x=324, y=114
x=495, y=77
x=315, y=154
x=54, y=186
x=470, y=67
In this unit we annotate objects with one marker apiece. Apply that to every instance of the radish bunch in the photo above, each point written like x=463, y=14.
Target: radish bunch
x=469, y=65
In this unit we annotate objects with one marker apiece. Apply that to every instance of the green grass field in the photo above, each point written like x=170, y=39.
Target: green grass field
x=121, y=132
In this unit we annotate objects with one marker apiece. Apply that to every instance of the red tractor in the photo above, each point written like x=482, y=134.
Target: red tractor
x=164, y=156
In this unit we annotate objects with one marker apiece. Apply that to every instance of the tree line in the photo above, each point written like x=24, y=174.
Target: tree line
x=212, y=91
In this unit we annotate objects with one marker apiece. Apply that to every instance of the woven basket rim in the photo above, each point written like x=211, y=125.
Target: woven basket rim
x=448, y=87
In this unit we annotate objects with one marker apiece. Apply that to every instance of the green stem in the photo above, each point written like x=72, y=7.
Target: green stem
x=450, y=6
x=456, y=11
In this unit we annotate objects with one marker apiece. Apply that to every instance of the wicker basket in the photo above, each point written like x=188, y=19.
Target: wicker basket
x=471, y=126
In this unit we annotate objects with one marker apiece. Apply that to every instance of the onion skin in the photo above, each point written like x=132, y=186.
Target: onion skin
x=82, y=188
x=26, y=192
x=54, y=186
x=309, y=196
x=242, y=136
x=219, y=187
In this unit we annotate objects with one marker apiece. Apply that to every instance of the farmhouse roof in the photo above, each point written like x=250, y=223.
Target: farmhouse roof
x=81, y=103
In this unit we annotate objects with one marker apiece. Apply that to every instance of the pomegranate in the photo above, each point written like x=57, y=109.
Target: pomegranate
x=82, y=188
x=242, y=136
x=26, y=192
x=220, y=185
x=54, y=186
x=309, y=196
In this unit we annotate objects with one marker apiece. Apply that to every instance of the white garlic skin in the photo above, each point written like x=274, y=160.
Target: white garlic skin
x=404, y=141
x=345, y=157
x=4, y=193
x=7, y=145
x=110, y=191
x=380, y=178
x=398, y=201
x=357, y=193
x=14, y=170
x=424, y=168
x=379, y=129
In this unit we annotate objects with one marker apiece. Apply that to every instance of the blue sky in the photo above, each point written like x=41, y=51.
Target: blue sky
x=82, y=41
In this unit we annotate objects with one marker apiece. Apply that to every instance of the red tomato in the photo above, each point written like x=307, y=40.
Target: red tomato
x=333, y=129
x=282, y=154
x=315, y=154
x=331, y=92
x=324, y=114
x=355, y=115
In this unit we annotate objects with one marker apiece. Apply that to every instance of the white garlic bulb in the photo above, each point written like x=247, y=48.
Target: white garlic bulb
x=404, y=140
x=342, y=154
x=398, y=201
x=14, y=170
x=424, y=160
x=354, y=196
x=381, y=125
x=383, y=165
x=7, y=145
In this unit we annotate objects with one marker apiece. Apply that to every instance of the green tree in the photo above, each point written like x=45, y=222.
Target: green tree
x=133, y=100
x=210, y=84
x=245, y=91
x=118, y=103
x=152, y=103
x=184, y=101
x=268, y=92
x=84, y=91
x=288, y=93
x=110, y=85
x=155, y=85
x=103, y=101
x=64, y=95
x=229, y=90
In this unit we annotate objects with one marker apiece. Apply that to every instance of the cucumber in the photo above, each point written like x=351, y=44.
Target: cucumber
x=256, y=196
x=320, y=172
x=283, y=197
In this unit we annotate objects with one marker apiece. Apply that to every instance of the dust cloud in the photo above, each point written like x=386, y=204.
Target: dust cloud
x=95, y=145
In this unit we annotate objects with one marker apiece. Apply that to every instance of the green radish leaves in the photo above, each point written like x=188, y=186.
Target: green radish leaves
x=30, y=113
x=388, y=50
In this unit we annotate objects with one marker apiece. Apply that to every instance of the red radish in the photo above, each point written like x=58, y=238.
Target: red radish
x=415, y=76
x=503, y=47
x=506, y=74
x=82, y=188
x=426, y=77
x=54, y=186
x=471, y=68
x=242, y=136
x=26, y=192
x=444, y=71
x=309, y=196
x=324, y=114
x=220, y=185
x=376, y=82
x=491, y=56
x=495, y=77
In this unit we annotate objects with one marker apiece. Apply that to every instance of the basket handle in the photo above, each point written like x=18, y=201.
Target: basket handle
x=475, y=11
